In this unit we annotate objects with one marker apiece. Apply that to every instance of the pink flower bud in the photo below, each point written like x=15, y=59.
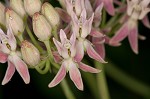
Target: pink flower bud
x=17, y=6
x=15, y=21
x=30, y=53
x=2, y=17
x=41, y=27
x=32, y=6
x=50, y=13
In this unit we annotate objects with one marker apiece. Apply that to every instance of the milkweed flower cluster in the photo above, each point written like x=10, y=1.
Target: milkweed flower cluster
x=47, y=38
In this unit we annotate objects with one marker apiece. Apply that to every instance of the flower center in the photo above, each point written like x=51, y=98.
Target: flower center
x=67, y=44
x=137, y=7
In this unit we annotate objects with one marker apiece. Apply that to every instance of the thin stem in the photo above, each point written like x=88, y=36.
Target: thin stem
x=20, y=37
x=32, y=38
x=127, y=81
x=67, y=90
x=54, y=32
x=101, y=82
x=103, y=19
x=47, y=44
x=90, y=81
x=46, y=69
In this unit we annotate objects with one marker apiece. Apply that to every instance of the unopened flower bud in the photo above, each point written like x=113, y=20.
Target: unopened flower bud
x=17, y=6
x=41, y=27
x=50, y=13
x=15, y=21
x=2, y=11
x=30, y=53
x=32, y=6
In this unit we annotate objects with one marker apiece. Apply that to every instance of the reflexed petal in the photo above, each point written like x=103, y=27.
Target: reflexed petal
x=9, y=73
x=146, y=21
x=100, y=49
x=92, y=53
x=3, y=57
x=21, y=67
x=121, y=34
x=96, y=33
x=57, y=57
x=63, y=15
x=133, y=39
x=79, y=51
x=108, y=4
x=75, y=76
x=88, y=68
x=59, y=76
x=63, y=36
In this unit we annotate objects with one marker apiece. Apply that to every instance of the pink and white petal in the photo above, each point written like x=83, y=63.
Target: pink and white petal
x=120, y=35
x=73, y=44
x=79, y=51
x=75, y=75
x=108, y=4
x=78, y=7
x=88, y=8
x=133, y=39
x=11, y=38
x=100, y=49
x=92, y=53
x=88, y=68
x=59, y=76
x=58, y=46
x=63, y=36
x=146, y=21
x=63, y=15
x=21, y=67
x=9, y=73
x=96, y=33
x=83, y=15
x=87, y=26
x=69, y=6
x=3, y=57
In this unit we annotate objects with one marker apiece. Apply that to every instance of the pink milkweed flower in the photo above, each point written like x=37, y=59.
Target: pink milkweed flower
x=8, y=53
x=82, y=28
x=67, y=49
x=136, y=10
x=108, y=5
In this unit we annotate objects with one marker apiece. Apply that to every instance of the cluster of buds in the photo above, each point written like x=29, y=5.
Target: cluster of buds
x=79, y=20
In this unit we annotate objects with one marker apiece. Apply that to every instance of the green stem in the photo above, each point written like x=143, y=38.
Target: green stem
x=32, y=38
x=67, y=90
x=46, y=69
x=90, y=81
x=104, y=17
x=20, y=37
x=47, y=44
x=127, y=81
x=54, y=32
x=111, y=21
x=101, y=81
